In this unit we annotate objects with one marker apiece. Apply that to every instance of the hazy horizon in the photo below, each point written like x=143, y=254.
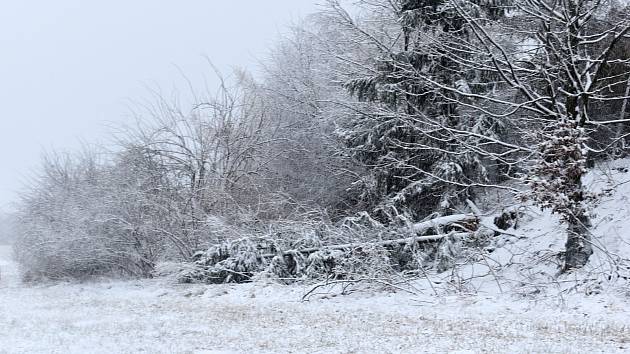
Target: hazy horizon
x=71, y=68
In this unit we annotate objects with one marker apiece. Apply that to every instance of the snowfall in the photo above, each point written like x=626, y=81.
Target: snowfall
x=516, y=304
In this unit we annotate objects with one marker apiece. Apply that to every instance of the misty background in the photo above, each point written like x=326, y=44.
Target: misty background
x=71, y=70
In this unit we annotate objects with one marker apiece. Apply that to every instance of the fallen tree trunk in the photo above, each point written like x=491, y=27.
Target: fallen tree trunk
x=238, y=261
x=442, y=221
x=418, y=228
x=386, y=243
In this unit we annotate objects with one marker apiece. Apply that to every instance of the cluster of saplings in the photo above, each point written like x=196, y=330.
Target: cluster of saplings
x=362, y=149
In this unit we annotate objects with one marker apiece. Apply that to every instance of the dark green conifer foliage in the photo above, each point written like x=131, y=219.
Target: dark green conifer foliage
x=418, y=165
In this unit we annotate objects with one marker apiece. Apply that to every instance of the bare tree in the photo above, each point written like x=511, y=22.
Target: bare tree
x=311, y=165
x=69, y=223
x=213, y=156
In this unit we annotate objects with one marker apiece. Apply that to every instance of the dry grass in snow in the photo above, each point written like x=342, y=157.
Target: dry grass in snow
x=158, y=317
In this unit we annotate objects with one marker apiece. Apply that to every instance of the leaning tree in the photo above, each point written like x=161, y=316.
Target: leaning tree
x=536, y=68
x=552, y=59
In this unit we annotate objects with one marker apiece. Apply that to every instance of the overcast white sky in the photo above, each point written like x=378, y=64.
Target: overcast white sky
x=68, y=67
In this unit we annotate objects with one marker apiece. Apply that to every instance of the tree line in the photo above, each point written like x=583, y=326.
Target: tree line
x=361, y=125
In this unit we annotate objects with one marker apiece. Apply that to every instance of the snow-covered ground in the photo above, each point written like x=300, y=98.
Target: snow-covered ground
x=156, y=316
x=518, y=304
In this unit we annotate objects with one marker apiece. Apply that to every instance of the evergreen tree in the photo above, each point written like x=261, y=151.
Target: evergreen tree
x=412, y=136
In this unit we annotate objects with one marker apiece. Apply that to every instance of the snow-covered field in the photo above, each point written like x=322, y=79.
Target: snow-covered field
x=155, y=316
x=543, y=313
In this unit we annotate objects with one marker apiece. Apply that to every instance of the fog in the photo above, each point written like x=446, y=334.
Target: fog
x=71, y=69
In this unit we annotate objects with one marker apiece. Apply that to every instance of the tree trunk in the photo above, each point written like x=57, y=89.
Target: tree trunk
x=622, y=125
x=578, y=247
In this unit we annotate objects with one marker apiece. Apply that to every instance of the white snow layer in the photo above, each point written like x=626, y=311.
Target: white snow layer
x=530, y=312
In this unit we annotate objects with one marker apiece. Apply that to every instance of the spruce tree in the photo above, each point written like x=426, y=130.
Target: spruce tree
x=419, y=162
